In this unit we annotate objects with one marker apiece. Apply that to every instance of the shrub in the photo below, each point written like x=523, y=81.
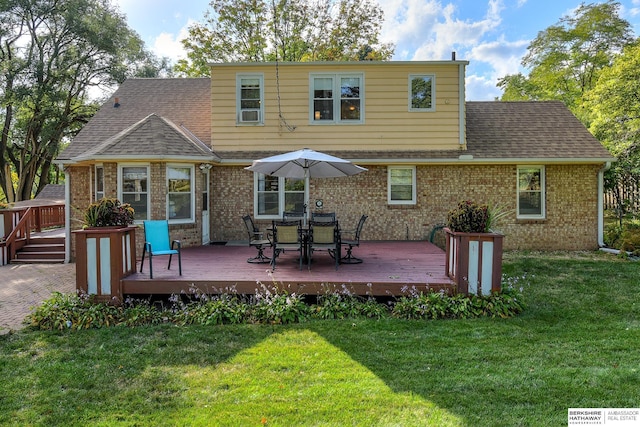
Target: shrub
x=278, y=308
x=108, y=213
x=469, y=217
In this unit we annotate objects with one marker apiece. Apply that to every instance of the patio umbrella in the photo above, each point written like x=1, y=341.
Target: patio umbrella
x=304, y=164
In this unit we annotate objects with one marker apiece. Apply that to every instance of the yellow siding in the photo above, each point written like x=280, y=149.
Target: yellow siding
x=388, y=123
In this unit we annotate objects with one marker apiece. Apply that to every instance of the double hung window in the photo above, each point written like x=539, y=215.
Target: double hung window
x=531, y=185
x=180, y=193
x=134, y=189
x=401, y=185
x=99, y=182
x=250, y=98
x=336, y=98
x=275, y=195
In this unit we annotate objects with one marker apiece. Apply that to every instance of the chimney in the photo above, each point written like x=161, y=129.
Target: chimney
x=453, y=55
x=116, y=102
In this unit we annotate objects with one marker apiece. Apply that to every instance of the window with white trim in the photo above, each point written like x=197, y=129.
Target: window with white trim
x=133, y=188
x=401, y=185
x=275, y=195
x=336, y=98
x=99, y=184
x=250, y=99
x=180, y=193
x=422, y=92
x=531, y=189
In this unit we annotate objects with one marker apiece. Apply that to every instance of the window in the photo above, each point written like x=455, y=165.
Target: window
x=99, y=182
x=180, y=194
x=531, y=192
x=401, y=185
x=134, y=189
x=422, y=93
x=274, y=195
x=336, y=98
x=250, y=94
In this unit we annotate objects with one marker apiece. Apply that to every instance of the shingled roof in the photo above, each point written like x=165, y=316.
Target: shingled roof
x=180, y=111
x=141, y=109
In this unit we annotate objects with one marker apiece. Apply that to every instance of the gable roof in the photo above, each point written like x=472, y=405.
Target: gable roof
x=178, y=109
x=151, y=138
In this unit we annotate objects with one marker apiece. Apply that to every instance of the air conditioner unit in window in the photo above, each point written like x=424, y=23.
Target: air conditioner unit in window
x=250, y=116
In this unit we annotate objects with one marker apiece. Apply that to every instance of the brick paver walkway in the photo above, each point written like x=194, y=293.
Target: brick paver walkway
x=26, y=285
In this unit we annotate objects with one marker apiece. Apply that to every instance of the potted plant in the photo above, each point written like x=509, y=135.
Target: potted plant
x=473, y=250
x=108, y=213
x=105, y=249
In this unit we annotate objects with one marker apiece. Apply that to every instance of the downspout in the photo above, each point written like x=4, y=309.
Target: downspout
x=67, y=217
x=601, y=204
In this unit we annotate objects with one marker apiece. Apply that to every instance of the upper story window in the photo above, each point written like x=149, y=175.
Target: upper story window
x=275, y=195
x=250, y=99
x=531, y=188
x=134, y=189
x=336, y=98
x=422, y=92
x=180, y=193
x=401, y=185
x=99, y=182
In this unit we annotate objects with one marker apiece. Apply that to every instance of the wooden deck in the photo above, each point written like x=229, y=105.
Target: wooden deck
x=389, y=268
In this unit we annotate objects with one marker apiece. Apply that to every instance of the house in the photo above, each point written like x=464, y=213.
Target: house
x=178, y=148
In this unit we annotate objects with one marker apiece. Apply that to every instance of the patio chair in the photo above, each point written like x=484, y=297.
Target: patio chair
x=323, y=216
x=324, y=236
x=287, y=235
x=257, y=240
x=352, y=240
x=292, y=216
x=156, y=242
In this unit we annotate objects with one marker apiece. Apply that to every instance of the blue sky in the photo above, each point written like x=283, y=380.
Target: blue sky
x=492, y=35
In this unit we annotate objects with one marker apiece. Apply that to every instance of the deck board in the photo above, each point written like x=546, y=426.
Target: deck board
x=389, y=268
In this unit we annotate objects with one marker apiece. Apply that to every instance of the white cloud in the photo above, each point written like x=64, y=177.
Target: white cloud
x=170, y=45
x=503, y=56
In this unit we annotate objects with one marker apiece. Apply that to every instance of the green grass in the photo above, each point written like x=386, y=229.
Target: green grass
x=576, y=345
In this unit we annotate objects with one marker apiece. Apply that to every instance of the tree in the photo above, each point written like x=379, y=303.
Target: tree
x=564, y=60
x=51, y=54
x=284, y=30
x=614, y=103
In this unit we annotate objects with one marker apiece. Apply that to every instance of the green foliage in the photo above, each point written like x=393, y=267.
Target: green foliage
x=52, y=54
x=108, y=213
x=286, y=30
x=278, y=308
x=469, y=217
x=68, y=311
x=565, y=59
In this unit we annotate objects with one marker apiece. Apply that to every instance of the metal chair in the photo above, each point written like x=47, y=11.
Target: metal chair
x=353, y=241
x=257, y=240
x=323, y=216
x=324, y=236
x=287, y=235
x=292, y=216
x=156, y=242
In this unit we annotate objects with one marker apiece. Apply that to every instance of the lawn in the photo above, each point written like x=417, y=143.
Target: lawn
x=576, y=345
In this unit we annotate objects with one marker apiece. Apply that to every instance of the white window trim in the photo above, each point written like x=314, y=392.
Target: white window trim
x=260, y=121
x=414, y=191
x=136, y=165
x=433, y=93
x=281, y=194
x=543, y=191
x=192, y=194
x=336, y=102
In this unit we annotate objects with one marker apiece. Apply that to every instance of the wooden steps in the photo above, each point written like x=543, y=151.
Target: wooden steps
x=41, y=250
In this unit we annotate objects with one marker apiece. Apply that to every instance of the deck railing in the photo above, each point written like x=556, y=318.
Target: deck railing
x=17, y=224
